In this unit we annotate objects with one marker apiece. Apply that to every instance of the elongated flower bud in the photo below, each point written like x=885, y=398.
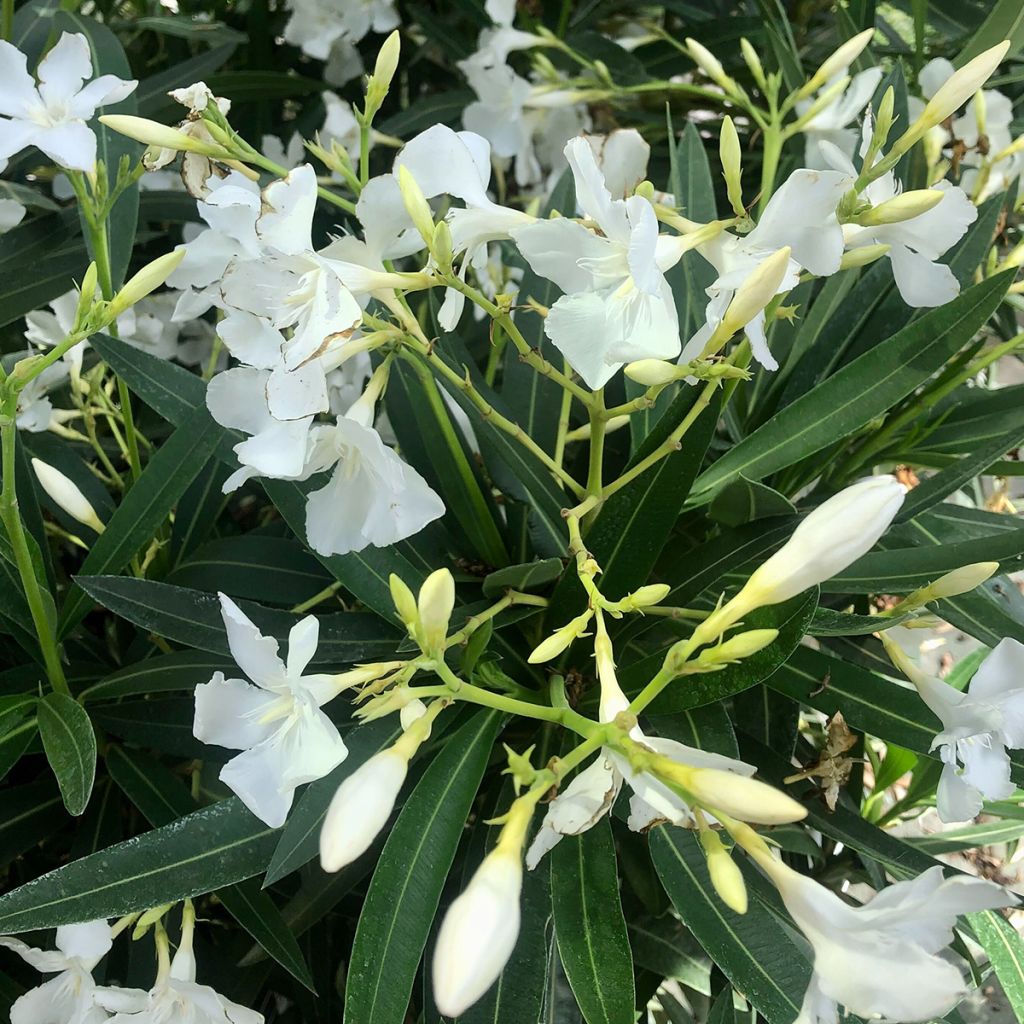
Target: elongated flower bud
x=552, y=646
x=962, y=85
x=726, y=877
x=405, y=603
x=753, y=62
x=435, y=605
x=838, y=62
x=959, y=581
x=147, y=280
x=416, y=205
x=729, y=154
x=862, y=256
x=361, y=808
x=478, y=933
x=903, y=207
x=383, y=72
x=644, y=597
x=66, y=494
x=832, y=537
x=152, y=133
x=741, y=797
x=652, y=372
x=736, y=648
x=757, y=291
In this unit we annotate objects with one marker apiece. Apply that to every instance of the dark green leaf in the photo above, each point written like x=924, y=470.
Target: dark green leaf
x=589, y=926
x=70, y=745
x=522, y=577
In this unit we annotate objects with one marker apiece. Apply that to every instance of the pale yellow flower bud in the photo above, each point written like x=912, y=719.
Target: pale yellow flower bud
x=67, y=495
x=652, y=372
x=962, y=85
x=738, y=647
x=726, y=877
x=152, y=133
x=903, y=207
x=753, y=62
x=862, y=256
x=959, y=581
x=435, y=605
x=147, y=280
x=757, y=291
x=405, y=602
x=709, y=64
x=560, y=640
x=416, y=205
x=645, y=597
x=742, y=797
x=729, y=154
x=838, y=62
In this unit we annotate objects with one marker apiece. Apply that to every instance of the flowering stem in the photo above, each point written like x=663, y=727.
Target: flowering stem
x=668, y=446
x=489, y=413
x=770, y=160
x=597, y=432
x=11, y=518
x=563, y=424
x=7, y=26
x=473, y=623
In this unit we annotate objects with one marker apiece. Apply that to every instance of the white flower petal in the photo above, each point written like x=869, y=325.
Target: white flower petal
x=230, y=712
x=255, y=654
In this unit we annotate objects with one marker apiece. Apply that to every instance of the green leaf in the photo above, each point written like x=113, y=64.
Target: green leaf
x=299, y=842
x=744, y=501
x=204, y=851
x=151, y=94
x=859, y=392
x=901, y=570
x=522, y=577
x=164, y=724
x=1005, y=949
x=194, y=618
x=753, y=950
x=180, y=670
x=432, y=443
x=664, y=946
x=163, y=799
x=70, y=745
x=829, y=622
x=14, y=742
x=31, y=814
x=406, y=888
x=589, y=926
x=932, y=490
x=145, y=507
x=208, y=32
x=254, y=566
x=1005, y=20
x=989, y=833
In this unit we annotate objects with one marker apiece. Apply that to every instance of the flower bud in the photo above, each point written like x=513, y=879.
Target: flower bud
x=363, y=674
x=961, y=86
x=645, y=597
x=709, y=64
x=361, y=808
x=147, y=280
x=478, y=933
x=742, y=797
x=757, y=291
x=862, y=256
x=832, y=537
x=903, y=207
x=729, y=154
x=152, y=133
x=959, y=581
x=441, y=246
x=66, y=494
x=405, y=603
x=753, y=62
x=726, y=877
x=416, y=205
x=838, y=62
x=736, y=648
x=435, y=605
x=652, y=372
x=560, y=640
x=383, y=72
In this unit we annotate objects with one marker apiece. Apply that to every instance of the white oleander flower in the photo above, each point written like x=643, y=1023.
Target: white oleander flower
x=70, y=997
x=317, y=25
x=881, y=960
x=915, y=244
x=372, y=497
x=12, y=213
x=35, y=411
x=834, y=123
x=617, y=306
x=52, y=114
x=801, y=215
x=273, y=716
x=978, y=726
x=176, y=998
x=289, y=283
x=287, y=156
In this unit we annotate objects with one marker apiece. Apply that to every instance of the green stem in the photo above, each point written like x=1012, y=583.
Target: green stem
x=598, y=422
x=11, y=517
x=7, y=26
x=772, y=151
x=669, y=445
